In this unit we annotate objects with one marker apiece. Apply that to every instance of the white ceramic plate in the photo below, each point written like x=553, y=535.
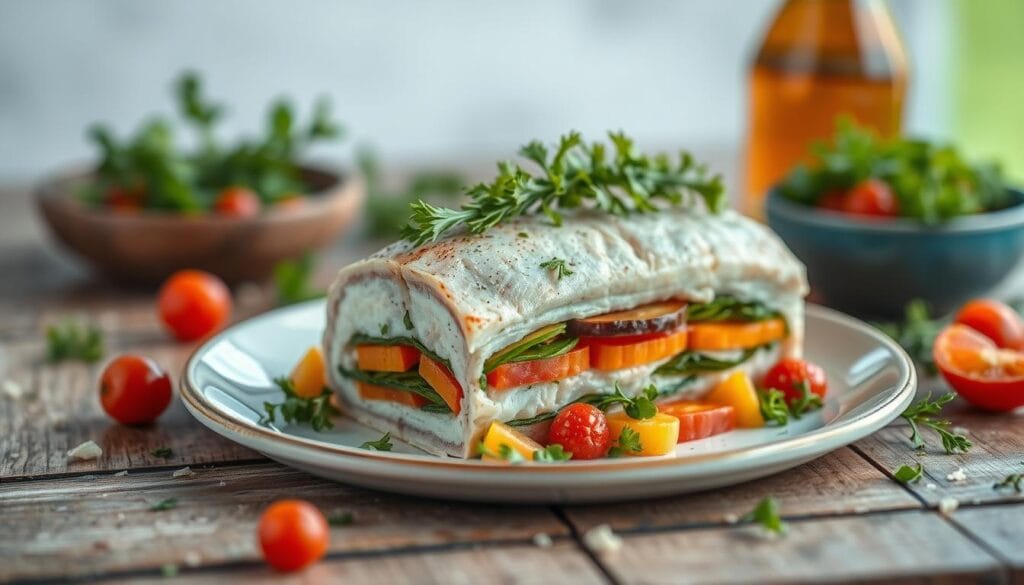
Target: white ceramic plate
x=227, y=380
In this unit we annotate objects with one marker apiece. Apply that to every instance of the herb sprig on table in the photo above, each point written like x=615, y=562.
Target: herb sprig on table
x=930, y=182
x=575, y=174
x=766, y=513
x=151, y=169
x=73, y=340
x=922, y=414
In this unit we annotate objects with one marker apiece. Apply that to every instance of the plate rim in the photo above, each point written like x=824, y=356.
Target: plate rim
x=230, y=428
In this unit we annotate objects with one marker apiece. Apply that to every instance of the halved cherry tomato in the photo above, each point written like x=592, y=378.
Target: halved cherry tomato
x=699, y=420
x=871, y=197
x=193, y=304
x=374, y=392
x=787, y=375
x=386, y=358
x=238, y=202
x=715, y=336
x=581, y=429
x=516, y=374
x=995, y=320
x=293, y=534
x=982, y=373
x=625, y=351
x=442, y=380
x=134, y=390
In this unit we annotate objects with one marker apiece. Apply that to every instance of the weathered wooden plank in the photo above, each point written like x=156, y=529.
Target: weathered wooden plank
x=910, y=546
x=998, y=449
x=85, y=525
x=512, y=564
x=1001, y=529
x=838, y=483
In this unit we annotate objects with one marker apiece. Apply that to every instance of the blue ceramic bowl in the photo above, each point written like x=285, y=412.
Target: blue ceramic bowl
x=874, y=267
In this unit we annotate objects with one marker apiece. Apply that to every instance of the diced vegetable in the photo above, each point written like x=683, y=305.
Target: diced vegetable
x=790, y=377
x=729, y=335
x=309, y=375
x=699, y=420
x=372, y=392
x=653, y=318
x=658, y=434
x=624, y=351
x=738, y=392
x=386, y=358
x=440, y=379
x=501, y=434
x=516, y=374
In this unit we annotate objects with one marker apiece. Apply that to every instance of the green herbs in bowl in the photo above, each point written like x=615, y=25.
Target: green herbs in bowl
x=858, y=173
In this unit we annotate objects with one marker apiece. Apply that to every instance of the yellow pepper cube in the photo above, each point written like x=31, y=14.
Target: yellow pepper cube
x=738, y=392
x=658, y=435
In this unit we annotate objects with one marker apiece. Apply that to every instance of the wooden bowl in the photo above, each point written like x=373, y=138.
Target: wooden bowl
x=146, y=247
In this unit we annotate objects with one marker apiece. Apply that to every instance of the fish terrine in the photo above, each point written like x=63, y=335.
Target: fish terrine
x=414, y=332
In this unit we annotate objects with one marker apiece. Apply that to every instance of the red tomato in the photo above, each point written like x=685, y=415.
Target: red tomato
x=788, y=373
x=125, y=199
x=983, y=374
x=134, y=390
x=994, y=320
x=871, y=197
x=699, y=420
x=536, y=371
x=582, y=430
x=193, y=304
x=293, y=534
x=237, y=202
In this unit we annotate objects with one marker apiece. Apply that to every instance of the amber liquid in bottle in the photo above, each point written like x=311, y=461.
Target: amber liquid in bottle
x=821, y=59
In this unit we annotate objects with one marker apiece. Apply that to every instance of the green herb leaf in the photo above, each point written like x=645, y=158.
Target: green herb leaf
x=694, y=362
x=317, y=412
x=70, y=339
x=640, y=407
x=766, y=513
x=727, y=308
x=362, y=339
x=164, y=505
x=551, y=454
x=162, y=452
x=916, y=334
x=381, y=444
x=806, y=402
x=628, y=443
x=920, y=414
x=292, y=281
x=907, y=475
x=407, y=321
x=575, y=175
x=505, y=453
x=409, y=381
x=384, y=329
x=547, y=342
x=1013, y=480
x=773, y=406
x=558, y=266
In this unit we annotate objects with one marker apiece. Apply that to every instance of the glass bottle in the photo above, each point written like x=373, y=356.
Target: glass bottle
x=820, y=59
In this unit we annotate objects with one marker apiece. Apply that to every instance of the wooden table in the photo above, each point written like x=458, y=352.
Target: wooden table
x=59, y=520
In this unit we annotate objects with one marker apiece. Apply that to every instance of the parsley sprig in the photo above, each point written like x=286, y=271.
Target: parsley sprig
x=921, y=414
x=766, y=513
x=295, y=409
x=907, y=474
x=628, y=443
x=551, y=454
x=381, y=444
x=504, y=453
x=639, y=407
x=775, y=408
x=694, y=362
x=70, y=339
x=575, y=175
x=558, y=266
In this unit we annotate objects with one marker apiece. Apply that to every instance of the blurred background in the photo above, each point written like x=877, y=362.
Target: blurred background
x=462, y=82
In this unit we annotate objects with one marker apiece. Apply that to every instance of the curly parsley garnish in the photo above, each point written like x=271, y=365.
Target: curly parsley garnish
x=907, y=474
x=773, y=406
x=381, y=444
x=72, y=340
x=639, y=407
x=576, y=174
x=920, y=414
x=766, y=513
x=295, y=409
x=628, y=443
x=551, y=454
x=557, y=265
x=504, y=453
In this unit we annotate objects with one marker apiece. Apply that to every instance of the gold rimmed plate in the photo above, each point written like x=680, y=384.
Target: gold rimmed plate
x=227, y=380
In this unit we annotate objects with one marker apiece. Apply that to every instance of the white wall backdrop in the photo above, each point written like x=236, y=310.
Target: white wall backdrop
x=424, y=81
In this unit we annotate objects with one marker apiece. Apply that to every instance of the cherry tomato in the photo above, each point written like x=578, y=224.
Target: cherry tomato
x=293, y=534
x=582, y=430
x=193, y=304
x=134, y=390
x=125, y=199
x=832, y=200
x=871, y=197
x=994, y=320
x=983, y=374
x=699, y=420
x=786, y=376
x=237, y=202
